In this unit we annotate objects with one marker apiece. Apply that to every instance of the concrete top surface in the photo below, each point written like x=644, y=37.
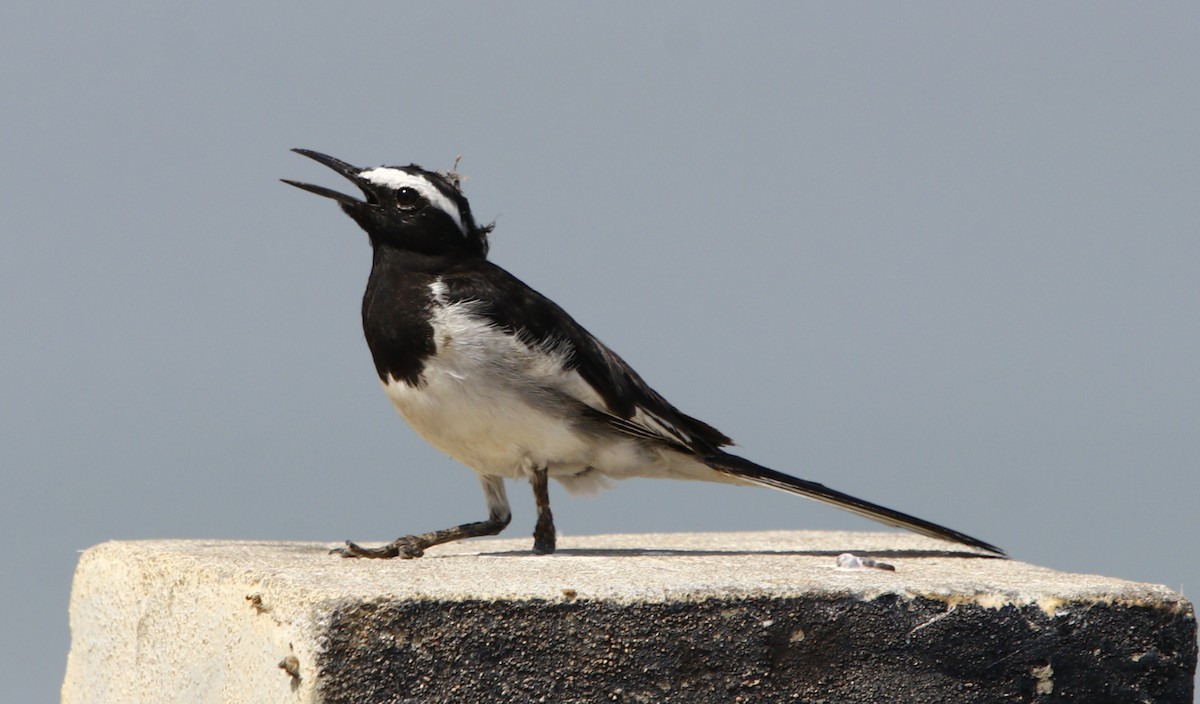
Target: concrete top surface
x=638, y=568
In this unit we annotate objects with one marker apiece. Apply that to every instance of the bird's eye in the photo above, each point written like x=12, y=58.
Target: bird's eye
x=408, y=198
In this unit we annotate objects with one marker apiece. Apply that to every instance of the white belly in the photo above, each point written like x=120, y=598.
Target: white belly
x=486, y=426
x=490, y=402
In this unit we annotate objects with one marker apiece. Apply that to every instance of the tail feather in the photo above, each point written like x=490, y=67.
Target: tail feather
x=746, y=470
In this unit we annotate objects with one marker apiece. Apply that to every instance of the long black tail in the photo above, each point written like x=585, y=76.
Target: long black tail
x=757, y=474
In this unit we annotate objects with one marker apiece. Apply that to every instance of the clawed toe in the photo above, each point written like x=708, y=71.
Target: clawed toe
x=405, y=548
x=352, y=549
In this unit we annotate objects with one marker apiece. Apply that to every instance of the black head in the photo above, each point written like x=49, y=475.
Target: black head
x=406, y=207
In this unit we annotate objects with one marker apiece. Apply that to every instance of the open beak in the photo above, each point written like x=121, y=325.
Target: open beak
x=346, y=170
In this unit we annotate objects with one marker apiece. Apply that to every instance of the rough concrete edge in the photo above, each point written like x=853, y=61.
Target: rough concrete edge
x=1156, y=597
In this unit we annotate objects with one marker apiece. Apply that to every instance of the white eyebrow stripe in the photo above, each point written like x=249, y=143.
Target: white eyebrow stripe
x=397, y=179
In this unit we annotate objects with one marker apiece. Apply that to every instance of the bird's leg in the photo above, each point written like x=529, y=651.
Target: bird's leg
x=543, y=532
x=411, y=546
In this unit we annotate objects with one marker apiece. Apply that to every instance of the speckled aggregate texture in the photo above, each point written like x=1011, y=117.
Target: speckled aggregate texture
x=752, y=617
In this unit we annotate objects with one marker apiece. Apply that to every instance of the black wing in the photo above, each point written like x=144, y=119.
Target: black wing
x=630, y=404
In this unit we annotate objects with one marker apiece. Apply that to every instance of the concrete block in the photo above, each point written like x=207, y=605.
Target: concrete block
x=750, y=617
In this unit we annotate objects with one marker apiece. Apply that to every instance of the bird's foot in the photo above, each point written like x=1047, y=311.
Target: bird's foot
x=544, y=535
x=405, y=548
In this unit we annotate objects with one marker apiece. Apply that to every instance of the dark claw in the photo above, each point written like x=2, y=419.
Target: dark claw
x=544, y=535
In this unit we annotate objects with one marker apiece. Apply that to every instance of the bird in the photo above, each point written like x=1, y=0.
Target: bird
x=503, y=380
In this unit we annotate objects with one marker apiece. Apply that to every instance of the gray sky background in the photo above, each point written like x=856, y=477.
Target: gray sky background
x=945, y=257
